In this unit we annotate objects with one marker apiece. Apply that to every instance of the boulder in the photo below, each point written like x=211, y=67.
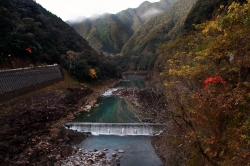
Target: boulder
x=121, y=151
x=101, y=154
x=91, y=161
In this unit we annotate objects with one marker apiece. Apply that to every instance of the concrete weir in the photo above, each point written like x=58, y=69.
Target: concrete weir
x=144, y=129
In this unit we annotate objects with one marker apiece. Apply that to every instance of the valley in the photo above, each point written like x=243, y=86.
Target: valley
x=191, y=58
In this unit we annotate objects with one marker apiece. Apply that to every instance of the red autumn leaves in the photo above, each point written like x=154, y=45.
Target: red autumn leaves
x=216, y=79
x=29, y=50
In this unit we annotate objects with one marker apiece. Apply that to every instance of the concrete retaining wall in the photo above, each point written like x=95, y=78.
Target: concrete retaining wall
x=17, y=82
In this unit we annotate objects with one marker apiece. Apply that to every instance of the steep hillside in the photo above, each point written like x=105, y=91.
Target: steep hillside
x=110, y=32
x=206, y=74
x=158, y=29
x=31, y=35
x=174, y=22
x=204, y=10
x=139, y=52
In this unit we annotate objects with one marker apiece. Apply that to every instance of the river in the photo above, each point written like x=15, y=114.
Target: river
x=111, y=109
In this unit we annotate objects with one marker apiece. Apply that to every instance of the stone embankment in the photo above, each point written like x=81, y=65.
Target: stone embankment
x=16, y=82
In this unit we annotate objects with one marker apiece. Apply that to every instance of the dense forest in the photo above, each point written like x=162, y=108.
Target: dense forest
x=30, y=36
x=139, y=53
x=131, y=38
x=206, y=76
x=109, y=32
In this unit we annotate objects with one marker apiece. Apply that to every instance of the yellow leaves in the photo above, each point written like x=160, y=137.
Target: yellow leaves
x=243, y=137
x=92, y=73
x=71, y=52
x=175, y=72
x=170, y=61
x=167, y=84
x=162, y=73
x=187, y=71
x=212, y=28
x=202, y=55
x=239, y=13
x=234, y=7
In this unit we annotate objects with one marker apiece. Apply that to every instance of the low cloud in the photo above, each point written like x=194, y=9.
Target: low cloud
x=77, y=19
x=95, y=16
x=151, y=13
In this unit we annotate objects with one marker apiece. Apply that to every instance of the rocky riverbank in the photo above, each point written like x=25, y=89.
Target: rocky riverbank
x=98, y=91
x=31, y=126
x=26, y=134
x=94, y=157
x=150, y=103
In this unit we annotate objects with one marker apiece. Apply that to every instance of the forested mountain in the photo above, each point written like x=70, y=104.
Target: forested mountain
x=175, y=22
x=135, y=36
x=161, y=28
x=139, y=52
x=206, y=74
x=109, y=32
x=32, y=35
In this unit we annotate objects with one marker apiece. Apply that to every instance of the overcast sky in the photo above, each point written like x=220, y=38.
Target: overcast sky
x=74, y=9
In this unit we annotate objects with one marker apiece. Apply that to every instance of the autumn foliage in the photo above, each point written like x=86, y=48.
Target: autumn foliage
x=92, y=73
x=209, y=123
x=29, y=50
x=216, y=79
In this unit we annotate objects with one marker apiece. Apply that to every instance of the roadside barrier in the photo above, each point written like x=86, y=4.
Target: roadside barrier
x=16, y=82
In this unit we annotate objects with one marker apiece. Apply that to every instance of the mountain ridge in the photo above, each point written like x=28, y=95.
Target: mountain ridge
x=121, y=25
x=164, y=24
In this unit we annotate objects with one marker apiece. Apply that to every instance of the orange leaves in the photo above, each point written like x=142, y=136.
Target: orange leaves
x=216, y=79
x=92, y=73
x=29, y=50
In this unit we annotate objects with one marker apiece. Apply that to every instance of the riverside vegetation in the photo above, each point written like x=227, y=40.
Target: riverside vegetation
x=206, y=75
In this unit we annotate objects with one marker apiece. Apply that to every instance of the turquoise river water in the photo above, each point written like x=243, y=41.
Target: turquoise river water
x=111, y=109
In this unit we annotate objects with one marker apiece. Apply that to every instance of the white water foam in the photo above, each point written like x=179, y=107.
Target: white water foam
x=109, y=92
x=119, y=129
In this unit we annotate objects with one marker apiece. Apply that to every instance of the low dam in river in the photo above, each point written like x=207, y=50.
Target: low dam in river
x=128, y=129
x=115, y=125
